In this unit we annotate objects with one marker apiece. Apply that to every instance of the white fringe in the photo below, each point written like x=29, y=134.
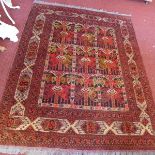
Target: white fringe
x=80, y=7
x=14, y=150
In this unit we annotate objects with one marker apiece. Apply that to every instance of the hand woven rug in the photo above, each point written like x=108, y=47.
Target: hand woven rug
x=77, y=83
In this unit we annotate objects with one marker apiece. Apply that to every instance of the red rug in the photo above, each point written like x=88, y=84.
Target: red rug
x=78, y=82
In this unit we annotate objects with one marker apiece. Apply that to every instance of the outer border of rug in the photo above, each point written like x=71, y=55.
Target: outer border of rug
x=14, y=150
x=79, y=7
x=56, y=151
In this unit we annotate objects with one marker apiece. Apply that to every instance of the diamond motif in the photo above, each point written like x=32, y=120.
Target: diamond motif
x=112, y=91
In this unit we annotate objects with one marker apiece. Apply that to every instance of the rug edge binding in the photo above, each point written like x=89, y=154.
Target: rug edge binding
x=80, y=7
x=14, y=150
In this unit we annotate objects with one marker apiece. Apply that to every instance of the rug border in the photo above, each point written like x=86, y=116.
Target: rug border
x=10, y=149
x=80, y=8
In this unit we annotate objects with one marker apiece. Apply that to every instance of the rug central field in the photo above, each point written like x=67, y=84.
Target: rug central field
x=77, y=82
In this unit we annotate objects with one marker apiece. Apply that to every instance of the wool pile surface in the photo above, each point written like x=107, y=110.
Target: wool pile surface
x=77, y=82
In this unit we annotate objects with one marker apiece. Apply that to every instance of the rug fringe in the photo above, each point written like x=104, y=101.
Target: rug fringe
x=14, y=150
x=79, y=7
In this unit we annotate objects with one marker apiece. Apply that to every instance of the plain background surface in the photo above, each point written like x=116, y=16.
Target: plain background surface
x=143, y=18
